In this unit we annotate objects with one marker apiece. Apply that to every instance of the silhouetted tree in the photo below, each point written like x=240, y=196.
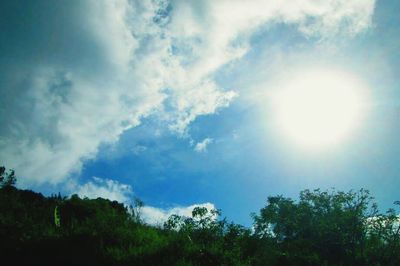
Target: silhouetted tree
x=320, y=228
x=7, y=179
x=328, y=228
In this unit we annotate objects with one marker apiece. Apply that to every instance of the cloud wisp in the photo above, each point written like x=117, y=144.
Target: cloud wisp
x=202, y=146
x=103, y=188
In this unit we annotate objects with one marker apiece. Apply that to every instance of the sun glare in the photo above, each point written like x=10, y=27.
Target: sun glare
x=319, y=108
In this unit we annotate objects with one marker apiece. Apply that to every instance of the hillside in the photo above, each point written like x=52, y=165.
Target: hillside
x=322, y=228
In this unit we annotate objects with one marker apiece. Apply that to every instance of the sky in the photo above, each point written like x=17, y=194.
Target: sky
x=174, y=102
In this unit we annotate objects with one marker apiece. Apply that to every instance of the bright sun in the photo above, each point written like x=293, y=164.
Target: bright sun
x=319, y=108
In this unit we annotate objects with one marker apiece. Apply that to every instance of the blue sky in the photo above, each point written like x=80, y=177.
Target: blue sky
x=170, y=101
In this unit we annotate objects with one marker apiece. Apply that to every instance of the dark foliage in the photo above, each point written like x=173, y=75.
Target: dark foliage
x=321, y=228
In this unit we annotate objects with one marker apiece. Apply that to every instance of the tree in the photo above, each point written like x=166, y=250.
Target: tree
x=322, y=227
x=383, y=241
x=7, y=179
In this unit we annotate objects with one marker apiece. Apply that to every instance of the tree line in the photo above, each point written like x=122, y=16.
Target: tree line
x=320, y=228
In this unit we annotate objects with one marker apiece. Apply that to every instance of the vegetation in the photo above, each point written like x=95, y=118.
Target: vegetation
x=321, y=228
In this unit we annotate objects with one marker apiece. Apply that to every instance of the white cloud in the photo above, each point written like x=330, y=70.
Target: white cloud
x=114, y=190
x=157, y=216
x=138, y=149
x=380, y=222
x=202, y=146
x=67, y=89
x=103, y=188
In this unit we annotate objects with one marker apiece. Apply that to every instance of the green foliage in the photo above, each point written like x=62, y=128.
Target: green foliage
x=57, y=220
x=329, y=228
x=320, y=228
x=7, y=179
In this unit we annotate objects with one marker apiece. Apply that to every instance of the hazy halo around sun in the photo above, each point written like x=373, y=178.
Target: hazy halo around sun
x=319, y=108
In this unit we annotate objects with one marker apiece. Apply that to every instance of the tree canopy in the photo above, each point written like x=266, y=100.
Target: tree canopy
x=320, y=228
